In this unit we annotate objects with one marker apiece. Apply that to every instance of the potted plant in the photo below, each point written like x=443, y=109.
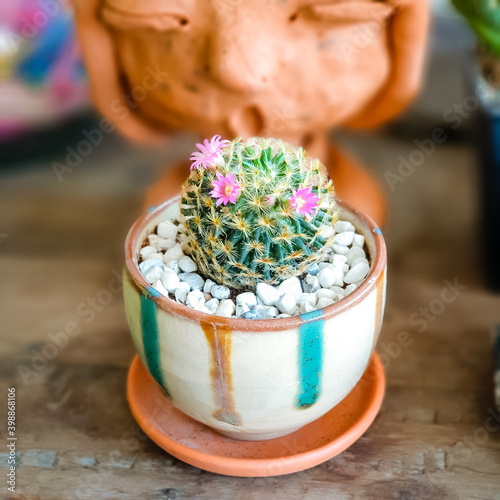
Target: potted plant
x=255, y=298
x=484, y=18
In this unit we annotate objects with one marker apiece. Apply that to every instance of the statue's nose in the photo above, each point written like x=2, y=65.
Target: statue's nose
x=242, y=57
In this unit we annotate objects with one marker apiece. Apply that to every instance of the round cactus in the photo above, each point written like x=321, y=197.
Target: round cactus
x=256, y=211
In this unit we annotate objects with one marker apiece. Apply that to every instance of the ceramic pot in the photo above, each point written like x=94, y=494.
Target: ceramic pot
x=254, y=379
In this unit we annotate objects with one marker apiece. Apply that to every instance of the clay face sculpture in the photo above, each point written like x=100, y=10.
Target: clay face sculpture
x=288, y=69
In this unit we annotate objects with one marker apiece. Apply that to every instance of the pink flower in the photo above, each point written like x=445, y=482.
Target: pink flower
x=210, y=153
x=225, y=189
x=304, y=201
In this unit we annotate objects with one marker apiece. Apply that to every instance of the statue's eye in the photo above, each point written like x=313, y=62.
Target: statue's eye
x=345, y=11
x=121, y=18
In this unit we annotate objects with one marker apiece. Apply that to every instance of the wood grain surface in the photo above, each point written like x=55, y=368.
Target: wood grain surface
x=61, y=243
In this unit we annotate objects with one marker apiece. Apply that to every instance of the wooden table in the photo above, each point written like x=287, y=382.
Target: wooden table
x=61, y=245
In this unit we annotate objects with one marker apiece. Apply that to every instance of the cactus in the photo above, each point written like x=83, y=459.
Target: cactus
x=255, y=211
x=484, y=18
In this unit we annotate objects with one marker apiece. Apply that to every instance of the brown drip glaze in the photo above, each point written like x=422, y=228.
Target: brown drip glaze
x=220, y=341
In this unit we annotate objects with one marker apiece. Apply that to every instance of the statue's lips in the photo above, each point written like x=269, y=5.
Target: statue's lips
x=246, y=122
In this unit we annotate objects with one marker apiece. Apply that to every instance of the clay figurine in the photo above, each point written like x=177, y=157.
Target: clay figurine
x=292, y=70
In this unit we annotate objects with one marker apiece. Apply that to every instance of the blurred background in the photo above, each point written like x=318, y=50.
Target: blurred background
x=64, y=217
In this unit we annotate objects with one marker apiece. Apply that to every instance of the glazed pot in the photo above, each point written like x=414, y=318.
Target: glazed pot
x=254, y=379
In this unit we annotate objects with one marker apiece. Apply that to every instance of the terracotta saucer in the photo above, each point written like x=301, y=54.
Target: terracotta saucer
x=198, y=445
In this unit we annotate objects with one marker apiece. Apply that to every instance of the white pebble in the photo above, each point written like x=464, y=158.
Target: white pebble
x=350, y=288
x=354, y=253
x=226, y=308
x=359, y=241
x=250, y=315
x=358, y=260
x=159, y=286
x=212, y=304
x=306, y=297
x=306, y=307
x=290, y=285
x=337, y=290
x=322, y=265
x=167, y=230
x=343, y=267
x=344, y=239
x=266, y=312
x=181, y=292
x=323, y=293
x=241, y=309
x=268, y=294
x=174, y=253
x=220, y=292
x=343, y=226
x=330, y=277
x=170, y=280
x=287, y=304
x=195, y=281
x=247, y=298
x=153, y=275
x=309, y=280
x=147, y=265
x=324, y=302
x=153, y=239
x=188, y=265
x=174, y=265
x=147, y=251
x=208, y=286
x=356, y=273
x=337, y=259
x=205, y=310
x=327, y=232
x=164, y=244
x=340, y=249
x=312, y=284
x=195, y=299
x=156, y=255
x=313, y=269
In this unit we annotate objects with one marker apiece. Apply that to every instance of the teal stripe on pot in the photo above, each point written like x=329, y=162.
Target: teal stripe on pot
x=153, y=292
x=310, y=358
x=150, y=339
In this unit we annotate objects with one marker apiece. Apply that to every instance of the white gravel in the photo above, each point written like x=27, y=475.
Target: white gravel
x=187, y=264
x=167, y=230
x=170, y=280
x=181, y=292
x=268, y=294
x=220, y=292
x=226, y=308
x=345, y=266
